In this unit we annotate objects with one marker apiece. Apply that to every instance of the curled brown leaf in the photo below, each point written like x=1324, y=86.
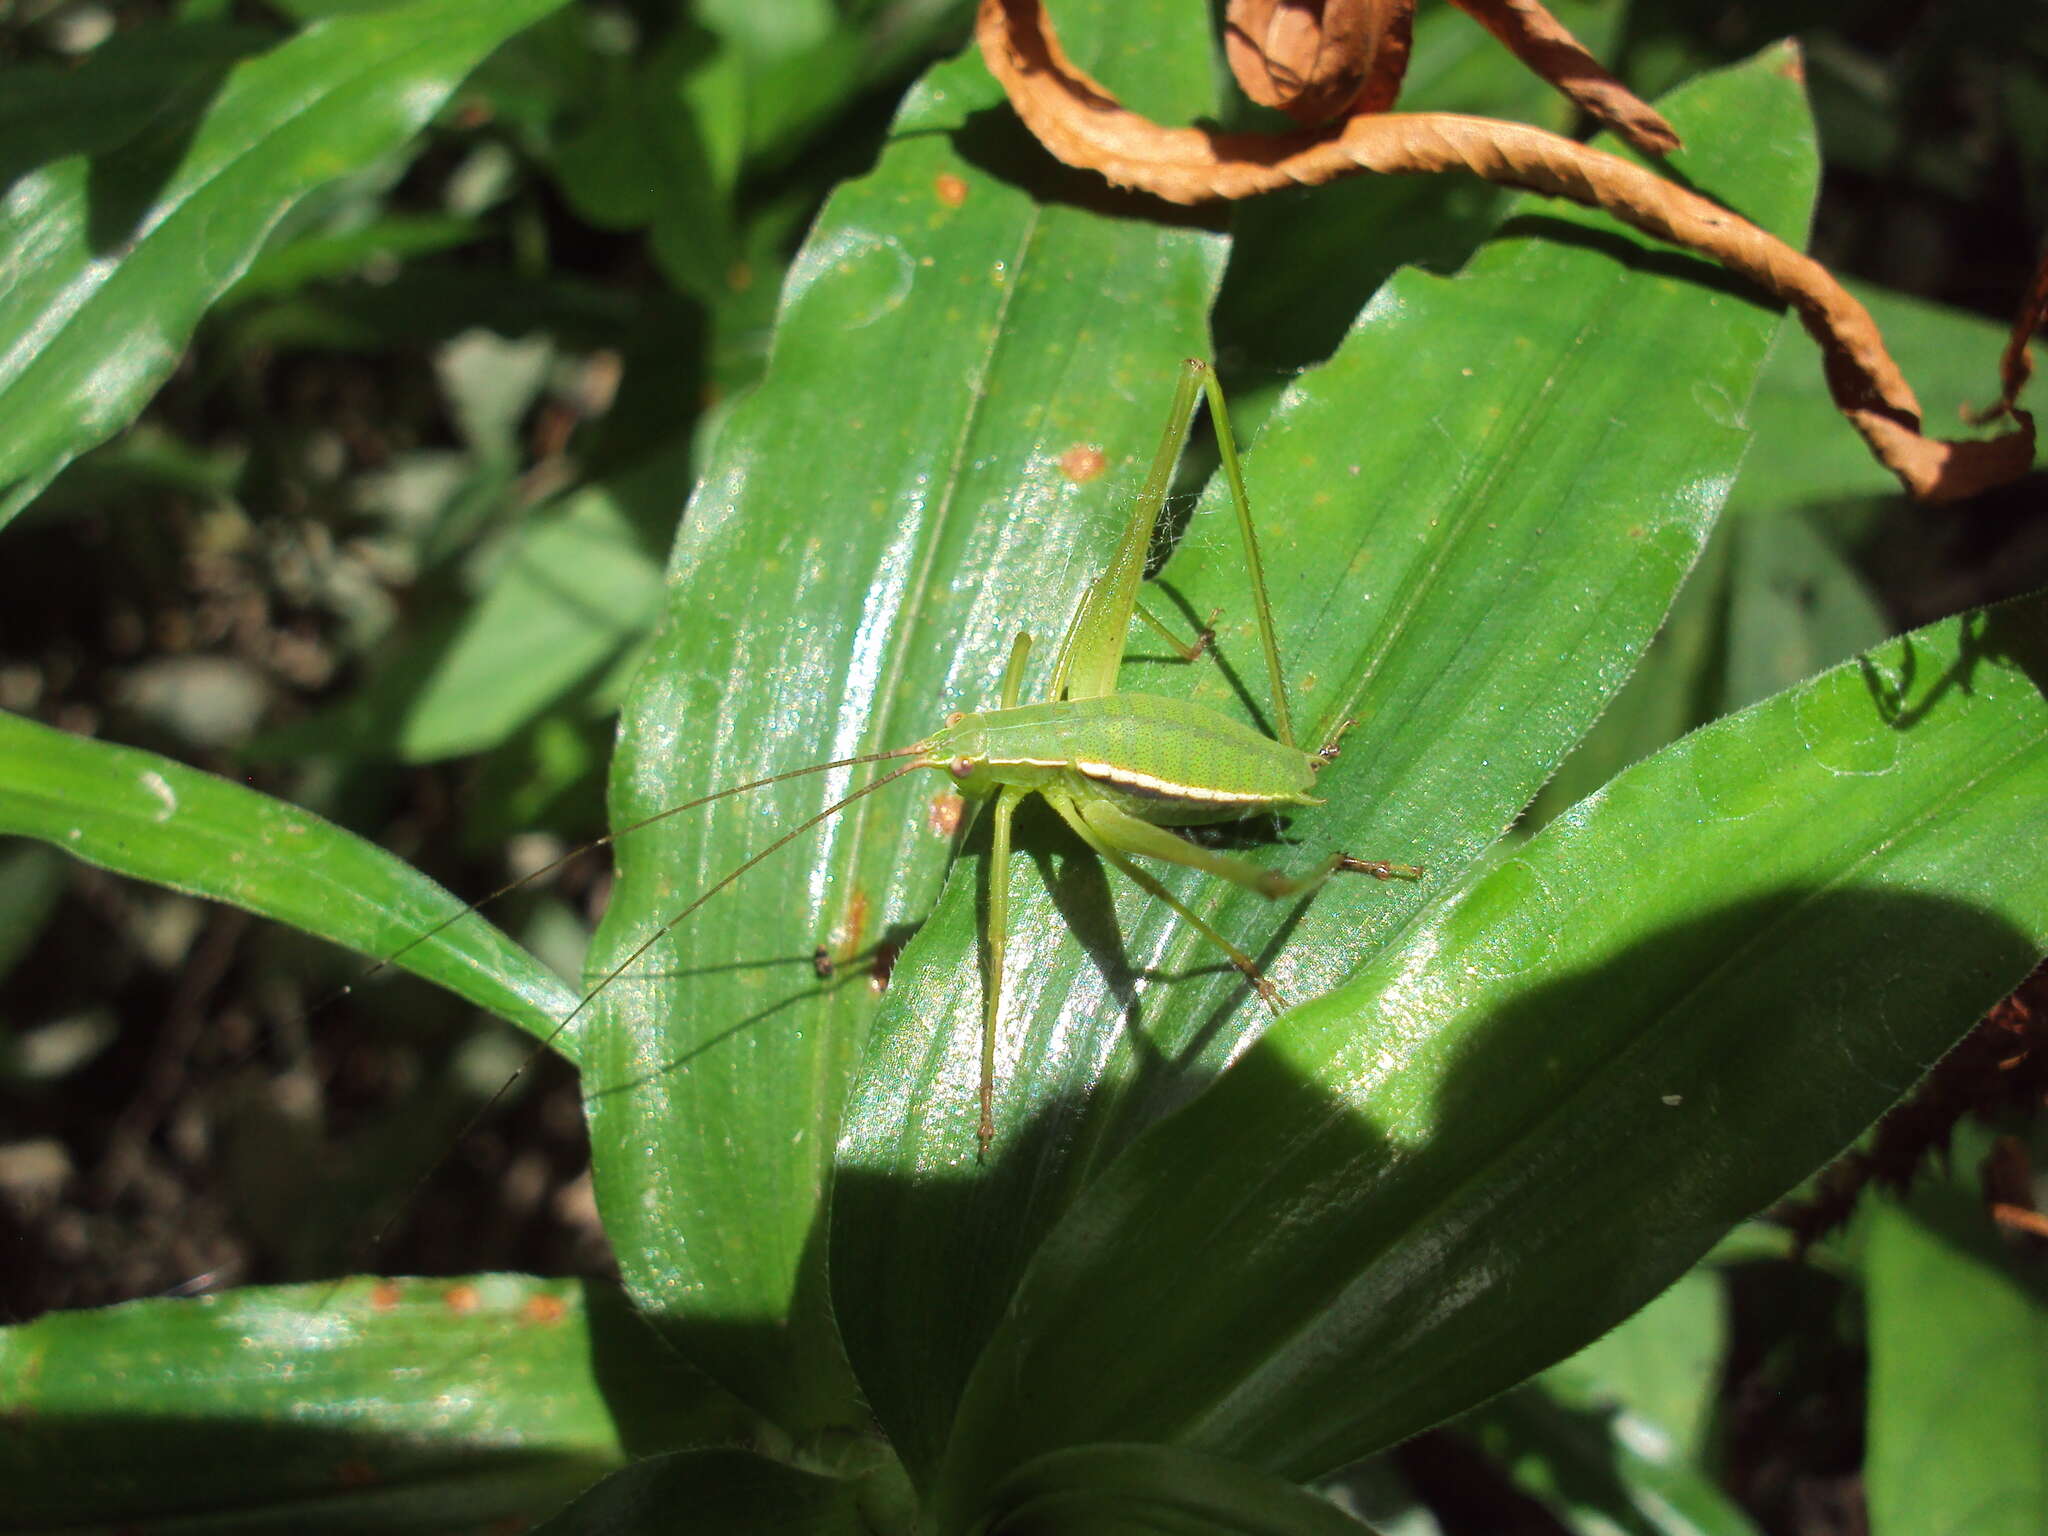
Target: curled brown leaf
x=1541, y=41
x=1083, y=124
x=2017, y=365
x=1319, y=59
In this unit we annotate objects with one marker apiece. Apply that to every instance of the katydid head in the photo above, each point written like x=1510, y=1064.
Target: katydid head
x=960, y=750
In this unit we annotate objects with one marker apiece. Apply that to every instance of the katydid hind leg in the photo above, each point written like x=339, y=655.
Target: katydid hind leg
x=1105, y=843
x=1254, y=567
x=1117, y=834
x=1133, y=835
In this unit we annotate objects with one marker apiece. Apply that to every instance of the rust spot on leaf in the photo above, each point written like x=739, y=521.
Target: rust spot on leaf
x=542, y=1310
x=1083, y=462
x=942, y=817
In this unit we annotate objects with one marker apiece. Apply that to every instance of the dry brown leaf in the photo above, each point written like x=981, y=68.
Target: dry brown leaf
x=2017, y=365
x=1319, y=59
x=1084, y=125
x=1540, y=41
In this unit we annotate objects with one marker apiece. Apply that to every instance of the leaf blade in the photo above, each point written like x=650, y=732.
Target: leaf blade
x=456, y=1404
x=1521, y=515
x=118, y=254
x=880, y=515
x=1570, y=1036
x=156, y=819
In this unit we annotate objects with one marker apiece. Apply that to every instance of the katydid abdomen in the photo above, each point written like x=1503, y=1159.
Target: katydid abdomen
x=1167, y=761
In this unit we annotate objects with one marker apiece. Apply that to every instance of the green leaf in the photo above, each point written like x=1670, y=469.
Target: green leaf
x=1615, y=1438
x=639, y=158
x=156, y=819
x=342, y=253
x=1570, y=1078
x=31, y=881
x=573, y=591
x=880, y=516
x=840, y=582
x=154, y=187
x=1473, y=519
x=721, y=1490
x=1770, y=603
x=1795, y=606
x=1132, y=1490
x=421, y=1405
x=1773, y=601
x=1958, y=1435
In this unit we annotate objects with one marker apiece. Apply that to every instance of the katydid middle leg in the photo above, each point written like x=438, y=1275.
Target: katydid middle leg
x=1116, y=833
x=1106, y=848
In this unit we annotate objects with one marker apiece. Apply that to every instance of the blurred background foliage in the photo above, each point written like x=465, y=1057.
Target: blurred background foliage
x=389, y=540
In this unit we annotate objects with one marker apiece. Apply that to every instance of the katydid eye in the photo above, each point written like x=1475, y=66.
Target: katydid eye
x=961, y=767
x=955, y=718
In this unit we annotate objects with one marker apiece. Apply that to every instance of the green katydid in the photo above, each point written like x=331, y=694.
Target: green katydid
x=1120, y=769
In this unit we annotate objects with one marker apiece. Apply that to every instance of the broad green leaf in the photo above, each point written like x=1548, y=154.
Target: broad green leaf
x=1958, y=1431
x=1568, y=1080
x=638, y=158
x=419, y=1405
x=125, y=225
x=1473, y=519
x=881, y=515
x=1773, y=601
x=155, y=819
x=1770, y=603
x=1795, y=606
x=1676, y=687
